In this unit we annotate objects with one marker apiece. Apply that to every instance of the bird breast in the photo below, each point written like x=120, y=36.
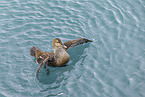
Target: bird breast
x=61, y=56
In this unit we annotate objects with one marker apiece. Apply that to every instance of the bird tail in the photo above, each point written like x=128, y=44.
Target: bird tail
x=33, y=50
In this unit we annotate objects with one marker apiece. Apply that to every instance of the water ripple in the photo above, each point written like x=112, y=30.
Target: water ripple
x=112, y=65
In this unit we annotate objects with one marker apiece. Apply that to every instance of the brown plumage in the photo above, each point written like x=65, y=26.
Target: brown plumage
x=57, y=58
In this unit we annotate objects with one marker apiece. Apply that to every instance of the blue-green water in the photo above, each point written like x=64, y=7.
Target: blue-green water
x=113, y=65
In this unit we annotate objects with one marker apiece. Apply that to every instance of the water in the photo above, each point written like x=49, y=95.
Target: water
x=113, y=65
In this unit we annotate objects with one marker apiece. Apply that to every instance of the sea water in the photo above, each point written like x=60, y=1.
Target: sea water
x=113, y=65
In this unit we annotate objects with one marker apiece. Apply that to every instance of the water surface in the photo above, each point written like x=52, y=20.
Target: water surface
x=113, y=65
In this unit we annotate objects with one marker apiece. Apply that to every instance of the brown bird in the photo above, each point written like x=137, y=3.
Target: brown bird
x=57, y=58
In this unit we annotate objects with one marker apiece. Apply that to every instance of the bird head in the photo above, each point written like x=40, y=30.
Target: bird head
x=56, y=43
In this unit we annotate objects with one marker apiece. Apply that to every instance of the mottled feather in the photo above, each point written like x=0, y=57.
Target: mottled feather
x=73, y=43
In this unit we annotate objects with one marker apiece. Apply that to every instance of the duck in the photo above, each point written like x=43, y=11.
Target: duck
x=59, y=57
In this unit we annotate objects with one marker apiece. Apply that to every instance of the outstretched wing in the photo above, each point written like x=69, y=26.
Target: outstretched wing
x=72, y=43
x=34, y=50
